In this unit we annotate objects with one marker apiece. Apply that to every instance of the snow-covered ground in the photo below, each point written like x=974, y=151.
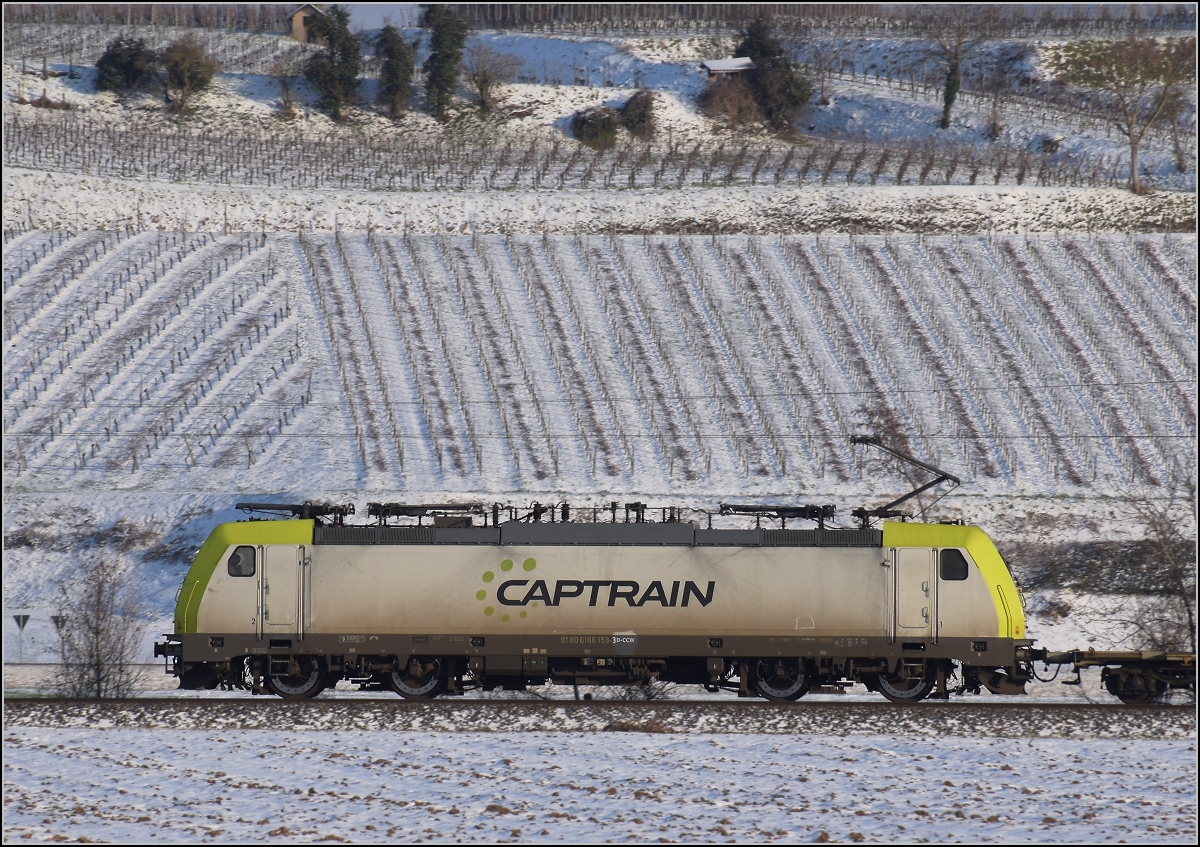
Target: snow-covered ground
x=135, y=786
x=40, y=200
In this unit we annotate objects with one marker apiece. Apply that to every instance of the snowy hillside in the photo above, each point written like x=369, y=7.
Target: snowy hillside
x=589, y=365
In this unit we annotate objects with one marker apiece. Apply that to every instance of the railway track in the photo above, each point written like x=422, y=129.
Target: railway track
x=956, y=718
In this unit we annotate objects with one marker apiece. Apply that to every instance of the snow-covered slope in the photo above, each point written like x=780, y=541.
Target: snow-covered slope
x=489, y=364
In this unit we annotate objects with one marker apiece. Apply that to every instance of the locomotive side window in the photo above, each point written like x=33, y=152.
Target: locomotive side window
x=241, y=561
x=954, y=565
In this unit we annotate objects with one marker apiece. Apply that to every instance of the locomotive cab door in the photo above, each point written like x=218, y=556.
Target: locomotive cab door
x=914, y=592
x=283, y=596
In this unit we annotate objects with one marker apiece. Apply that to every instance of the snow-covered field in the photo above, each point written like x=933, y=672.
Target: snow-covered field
x=158, y=354
x=135, y=786
x=40, y=200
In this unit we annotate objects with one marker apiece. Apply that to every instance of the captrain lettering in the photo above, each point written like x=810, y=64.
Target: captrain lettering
x=681, y=594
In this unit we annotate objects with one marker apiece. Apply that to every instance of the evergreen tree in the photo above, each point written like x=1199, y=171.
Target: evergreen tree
x=127, y=63
x=758, y=44
x=447, y=37
x=779, y=91
x=334, y=71
x=637, y=115
x=395, y=77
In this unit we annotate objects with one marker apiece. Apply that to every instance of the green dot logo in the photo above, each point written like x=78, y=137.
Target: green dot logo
x=490, y=576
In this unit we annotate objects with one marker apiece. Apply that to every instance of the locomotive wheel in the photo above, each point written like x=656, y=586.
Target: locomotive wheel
x=308, y=683
x=1134, y=689
x=908, y=688
x=779, y=680
x=420, y=679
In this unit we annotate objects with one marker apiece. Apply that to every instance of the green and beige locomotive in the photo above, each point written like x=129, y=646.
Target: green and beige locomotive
x=294, y=605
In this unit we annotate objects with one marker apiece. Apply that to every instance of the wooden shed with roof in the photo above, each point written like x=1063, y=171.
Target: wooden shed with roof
x=300, y=22
x=718, y=68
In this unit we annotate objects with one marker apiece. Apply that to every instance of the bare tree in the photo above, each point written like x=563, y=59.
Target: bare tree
x=957, y=31
x=185, y=68
x=99, y=631
x=1175, y=111
x=487, y=70
x=1164, y=617
x=824, y=57
x=1133, y=84
x=285, y=72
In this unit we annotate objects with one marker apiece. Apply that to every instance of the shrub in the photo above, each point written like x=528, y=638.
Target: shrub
x=44, y=102
x=127, y=64
x=637, y=115
x=730, y=100
x=186, y=68
x=595, y=127
x=99, y=631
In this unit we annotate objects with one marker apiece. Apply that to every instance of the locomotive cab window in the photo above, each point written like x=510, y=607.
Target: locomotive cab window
x=241, y=561
x=954, y=565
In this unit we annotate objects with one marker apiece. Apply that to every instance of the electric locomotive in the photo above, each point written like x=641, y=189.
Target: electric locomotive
x=504, y=601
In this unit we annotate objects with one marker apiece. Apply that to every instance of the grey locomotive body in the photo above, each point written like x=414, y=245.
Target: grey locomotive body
x=292, y=606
